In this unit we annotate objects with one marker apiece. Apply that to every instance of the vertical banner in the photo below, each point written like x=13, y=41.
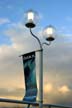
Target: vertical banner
x=30, y=76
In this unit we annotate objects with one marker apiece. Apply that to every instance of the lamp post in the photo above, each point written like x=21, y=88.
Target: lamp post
x=48, y=33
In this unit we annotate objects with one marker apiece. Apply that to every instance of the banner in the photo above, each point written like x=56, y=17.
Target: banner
x=30, y=76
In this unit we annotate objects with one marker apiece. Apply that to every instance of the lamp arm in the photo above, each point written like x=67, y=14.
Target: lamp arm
x=36, y=39
x=46, y=43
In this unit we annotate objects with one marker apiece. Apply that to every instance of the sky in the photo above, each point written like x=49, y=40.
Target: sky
x=15, y=39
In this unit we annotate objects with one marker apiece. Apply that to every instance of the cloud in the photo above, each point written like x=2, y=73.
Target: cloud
x=4, y=21
x=21, y=38
x=64, y=89
x=57, y=64
x=12, y=93
x=11, y=70
x=58, y=95
x=11, y=67
x=69, y=18
x=48, y=88
x=9, y=7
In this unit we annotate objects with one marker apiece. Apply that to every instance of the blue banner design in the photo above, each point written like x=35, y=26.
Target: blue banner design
x=30, y=76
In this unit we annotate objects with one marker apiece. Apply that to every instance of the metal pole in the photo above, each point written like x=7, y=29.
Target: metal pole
x=40, y=71
x=41, y=79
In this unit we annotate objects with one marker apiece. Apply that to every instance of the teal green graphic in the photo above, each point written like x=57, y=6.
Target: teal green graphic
x=30, y=76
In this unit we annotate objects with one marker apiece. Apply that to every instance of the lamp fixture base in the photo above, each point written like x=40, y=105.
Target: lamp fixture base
x=30, y=25
x=50, y=39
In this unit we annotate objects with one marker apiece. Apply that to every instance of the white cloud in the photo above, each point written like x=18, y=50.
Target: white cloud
x=9, y=6
x=69, y=18
x=4, y=21
x=21, y=38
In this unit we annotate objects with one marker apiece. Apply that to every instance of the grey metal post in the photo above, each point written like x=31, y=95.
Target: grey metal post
x=40, y=71
x=41, y=79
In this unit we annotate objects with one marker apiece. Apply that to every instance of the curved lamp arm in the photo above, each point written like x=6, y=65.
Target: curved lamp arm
x=37, y=39
x=46, y=43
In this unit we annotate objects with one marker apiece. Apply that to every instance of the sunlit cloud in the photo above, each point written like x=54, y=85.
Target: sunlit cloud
x=64, y=89
x=48, y=88
x=57, y=65
x=12, y=93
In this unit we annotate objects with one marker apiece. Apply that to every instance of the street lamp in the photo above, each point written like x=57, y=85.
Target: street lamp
x=31, y=18
x=49, y=35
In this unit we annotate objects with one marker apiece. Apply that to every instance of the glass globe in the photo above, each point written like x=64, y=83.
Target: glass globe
x=31, y=18
x=49, y=33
